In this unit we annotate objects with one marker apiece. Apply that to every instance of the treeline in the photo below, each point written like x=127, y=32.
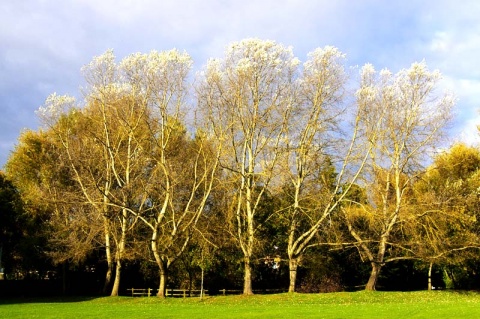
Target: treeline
x=258, y=161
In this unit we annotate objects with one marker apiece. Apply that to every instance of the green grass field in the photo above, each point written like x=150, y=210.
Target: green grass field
x=435, y=304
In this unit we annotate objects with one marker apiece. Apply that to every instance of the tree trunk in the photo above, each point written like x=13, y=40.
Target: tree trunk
x=201, y=283
x=377, y=262
x=163, y=282
x=247, y=279
x=108, y=255
x=430, y=276
x=372, y=281
x=108, y=277
x=2, y=277
x=119, y=255
x=292, y=266
x=116, y=283
x=162, y=266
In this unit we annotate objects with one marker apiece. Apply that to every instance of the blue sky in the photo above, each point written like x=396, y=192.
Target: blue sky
x=44, y=43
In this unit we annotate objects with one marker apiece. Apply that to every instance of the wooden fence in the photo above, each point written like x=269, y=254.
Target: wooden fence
x=184, y=293
x=141, y=292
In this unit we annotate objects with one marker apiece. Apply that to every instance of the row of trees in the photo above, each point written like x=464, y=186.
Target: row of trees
x=260, y=151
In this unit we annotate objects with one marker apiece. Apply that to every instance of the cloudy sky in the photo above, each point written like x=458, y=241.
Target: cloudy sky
x=44, y=43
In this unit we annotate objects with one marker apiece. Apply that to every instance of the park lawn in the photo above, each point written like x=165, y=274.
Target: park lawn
x=434, y=304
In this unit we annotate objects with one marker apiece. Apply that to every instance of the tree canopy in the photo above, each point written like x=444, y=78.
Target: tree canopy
x=259, y=164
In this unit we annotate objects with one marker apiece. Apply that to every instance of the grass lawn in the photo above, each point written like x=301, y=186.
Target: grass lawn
x=434, y=304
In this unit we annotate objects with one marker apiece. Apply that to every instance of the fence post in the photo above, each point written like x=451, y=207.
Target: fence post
x=223, y=291
x=149, y=290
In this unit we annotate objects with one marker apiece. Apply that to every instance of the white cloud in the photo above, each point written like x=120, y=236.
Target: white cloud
x=469, y=133
x=449, y=40
x=468, y=110
x=45, y=42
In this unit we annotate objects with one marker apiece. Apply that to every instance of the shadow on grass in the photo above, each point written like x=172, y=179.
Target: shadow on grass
x=58, y=299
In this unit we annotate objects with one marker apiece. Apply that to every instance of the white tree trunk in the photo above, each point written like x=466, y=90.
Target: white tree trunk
x=430, y=276
x=292, y=267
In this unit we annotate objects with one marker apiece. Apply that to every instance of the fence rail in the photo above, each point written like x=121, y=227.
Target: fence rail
x=184, y=293
x=141, y=292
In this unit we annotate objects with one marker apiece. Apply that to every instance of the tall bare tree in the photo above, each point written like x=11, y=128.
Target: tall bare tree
x=247, y=98
x=404, y=118
x=100, y=146
x=179, y=171
x=314, y=147
x=130, y=154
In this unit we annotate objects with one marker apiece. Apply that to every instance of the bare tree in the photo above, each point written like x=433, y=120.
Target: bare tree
x=403, y=120
x=321, y=162
x=247, y=99
x=100, y=143
x=179, y=171
x=130, y=154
